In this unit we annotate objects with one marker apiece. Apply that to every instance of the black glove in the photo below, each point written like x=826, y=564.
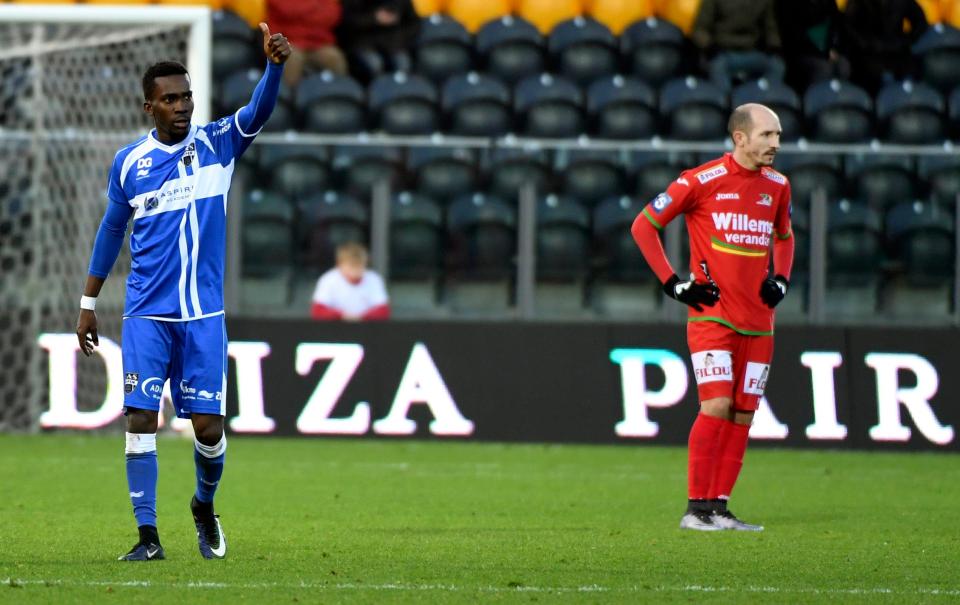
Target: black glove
x=692, y=292
x=773, y=289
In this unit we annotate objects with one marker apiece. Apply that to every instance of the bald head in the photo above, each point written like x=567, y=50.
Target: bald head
x=755, y=130
x=745, y=116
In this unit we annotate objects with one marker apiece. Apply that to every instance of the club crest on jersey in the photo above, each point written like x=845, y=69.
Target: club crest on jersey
x=130, y=381
x=189, y=154
x=765, y=200
x=151, y=204
x=661, y=202
x=711, y=173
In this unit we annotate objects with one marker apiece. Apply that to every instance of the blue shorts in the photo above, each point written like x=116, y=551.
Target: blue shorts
x=191, y=354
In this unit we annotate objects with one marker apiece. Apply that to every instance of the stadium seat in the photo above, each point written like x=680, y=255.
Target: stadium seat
x=694, y=109
x=251, y=11
x=920, y=237
x=549, y=106
x=941, y=174
x=656, y=170
x=416, y=237
x=583, y=50
x=938, y=50
x=618, y=14
x=425, y=8
x=444, y=48
x=882, y=180
x=233, y=48
x=837, y=111
x=510, y=169
x=443, y=173
x=932, y=10
x=329, y=219
x=267, y=233
x=654, y=49
x=482, y=232
x=563, y=239
x=589, y=176
x=360, y=168
x=621, y=107
x=777, y=96
x=546, y=14
x=911, y=114
x=404, y=104
x=511, y=49
x=812, y=172
x=295, y=170
x=213, y=4
x=953, y=114
x=623, y=284
x=853, y=243
x=474, y=14
x=476, y=105
x=331, y=104
x=236, y=90
x=680, y=13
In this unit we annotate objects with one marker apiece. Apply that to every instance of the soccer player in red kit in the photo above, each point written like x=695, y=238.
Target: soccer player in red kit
x=736, y=208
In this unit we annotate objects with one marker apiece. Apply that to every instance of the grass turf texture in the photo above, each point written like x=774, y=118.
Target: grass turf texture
x=376, y=521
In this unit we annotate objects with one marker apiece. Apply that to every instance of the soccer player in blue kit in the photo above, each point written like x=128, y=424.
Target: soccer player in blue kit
x=174, y=183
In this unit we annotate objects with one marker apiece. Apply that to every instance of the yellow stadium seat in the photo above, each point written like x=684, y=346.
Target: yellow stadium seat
x=118, y=1
x=547, y=13
x=472, y=14
x=679, y=12
x=950, y=11
x=931, y=10
x=251, y=11
x=842, y=4
x=618, y=14
x=213, y=4
x=425, y=8
x=41, y=1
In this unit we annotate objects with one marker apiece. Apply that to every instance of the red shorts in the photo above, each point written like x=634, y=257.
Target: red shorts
x=729, y=364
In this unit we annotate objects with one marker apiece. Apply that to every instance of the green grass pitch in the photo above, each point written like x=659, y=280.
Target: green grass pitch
x=329, y=521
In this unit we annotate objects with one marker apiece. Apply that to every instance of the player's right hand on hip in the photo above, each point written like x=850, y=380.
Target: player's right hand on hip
x=691, y=292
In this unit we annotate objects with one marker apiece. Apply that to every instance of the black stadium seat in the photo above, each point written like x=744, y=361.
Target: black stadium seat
x=853, y=243
x=939, y=53
x=694, y=109
x=329, y=219
x=331, y=104
x=236, y=90
x=360, y=168
x=911, y=113
x=233, y=46
x=563, y=239
x=810, y=172
x=621, y=107
x=589, y=176
x=654, y=171
x=404, y=104
x=444, y=48
x=482, y=232
x=267, y=233
x=443, y=173
x=509, y=169
x=583, y=49
x=416, y=237
x=476, y=105
x=619, y=258
x=654, y=49
x=882, y=180
x=953, y=114
x=295, y=170
x=777, y=96
x=511, y=49
x=941, y=174
x=920, y=235
x=549, y=106
x=838, y=111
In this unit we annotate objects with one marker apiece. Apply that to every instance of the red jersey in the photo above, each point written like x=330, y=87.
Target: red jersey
x=733, y=215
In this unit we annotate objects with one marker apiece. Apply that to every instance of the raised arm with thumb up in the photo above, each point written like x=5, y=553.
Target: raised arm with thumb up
x=275, y=46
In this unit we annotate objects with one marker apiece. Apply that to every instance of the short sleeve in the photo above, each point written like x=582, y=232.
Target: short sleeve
x=676, y=200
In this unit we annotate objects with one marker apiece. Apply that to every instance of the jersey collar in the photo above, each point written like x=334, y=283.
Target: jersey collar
x=735, y=168
x=175, y=147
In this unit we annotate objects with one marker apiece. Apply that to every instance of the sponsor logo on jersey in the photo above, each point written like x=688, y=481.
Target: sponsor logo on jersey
x=143, y=167
x=661, y=202
x=187, y=391
x=683, y=181
x=739, y=229
x=728, y=196
x=152, y=387
x=130, y=381
x=712, y=366
x=774, y=176
x=223, y=126
x=711, y=173
x=205, y=394
x=755, y=378
x=765, y=200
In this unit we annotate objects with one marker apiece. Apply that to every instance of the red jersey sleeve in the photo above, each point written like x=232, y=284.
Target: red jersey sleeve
x=783, y=240
x=654, y=217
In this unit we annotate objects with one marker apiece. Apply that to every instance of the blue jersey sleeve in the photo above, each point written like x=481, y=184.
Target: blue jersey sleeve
x=106, y=247
x=230, y=137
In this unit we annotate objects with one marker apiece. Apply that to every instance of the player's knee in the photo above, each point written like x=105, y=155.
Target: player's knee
x=141, y=421
x=209, y=433
x=718, y=407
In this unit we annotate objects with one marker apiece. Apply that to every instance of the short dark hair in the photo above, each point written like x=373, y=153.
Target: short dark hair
x=741, y=120
x=159, y=70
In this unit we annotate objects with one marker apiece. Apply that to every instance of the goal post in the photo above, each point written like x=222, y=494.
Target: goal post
x=70, y=97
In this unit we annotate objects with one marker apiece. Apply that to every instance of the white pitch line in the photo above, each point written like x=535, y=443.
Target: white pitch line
x=590, y=588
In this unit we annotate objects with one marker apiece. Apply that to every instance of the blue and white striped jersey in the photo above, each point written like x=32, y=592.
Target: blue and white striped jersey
x=178, y=197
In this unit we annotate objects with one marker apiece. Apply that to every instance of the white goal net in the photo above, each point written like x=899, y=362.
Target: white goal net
x=70, y=96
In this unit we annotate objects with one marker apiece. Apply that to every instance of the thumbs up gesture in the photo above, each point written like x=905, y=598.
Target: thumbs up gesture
x=275, y=46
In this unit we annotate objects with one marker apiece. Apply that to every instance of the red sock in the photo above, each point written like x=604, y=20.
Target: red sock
x=703, y=450
x=733, y=445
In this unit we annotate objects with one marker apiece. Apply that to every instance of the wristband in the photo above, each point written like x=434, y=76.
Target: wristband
x=88, y=303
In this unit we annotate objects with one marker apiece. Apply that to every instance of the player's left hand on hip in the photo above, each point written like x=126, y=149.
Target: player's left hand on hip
x=275, y=46
x=773, y=289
